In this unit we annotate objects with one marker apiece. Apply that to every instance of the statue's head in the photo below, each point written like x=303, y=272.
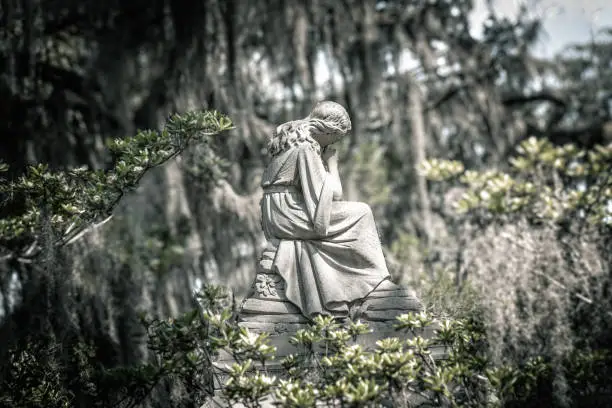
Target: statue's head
x=328, y=122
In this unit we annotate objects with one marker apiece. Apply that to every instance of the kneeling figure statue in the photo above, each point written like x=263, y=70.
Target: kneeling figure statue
x=324, y=255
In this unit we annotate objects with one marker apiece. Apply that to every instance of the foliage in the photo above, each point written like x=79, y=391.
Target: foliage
x=34, y=382
x=333, y=369
x=547, y=183
x=59, y=207
x=330, y=368
x=69, y=201
x=537, y=257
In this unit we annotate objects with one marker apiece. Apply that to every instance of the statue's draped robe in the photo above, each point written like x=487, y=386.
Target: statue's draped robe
x=329, y=253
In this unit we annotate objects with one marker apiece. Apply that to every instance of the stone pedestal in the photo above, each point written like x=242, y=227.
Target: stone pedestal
x=267, y=309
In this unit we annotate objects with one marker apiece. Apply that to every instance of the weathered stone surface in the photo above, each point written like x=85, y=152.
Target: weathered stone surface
x=269, y=285
x=265, y=265
x=270, y=251
x=269, y=307
x=381, y=315
x=387, y=285
x=279, y=296
x=273, y=318
x=273, y=328
x=368, y=341
x=379, y=331
x=217, y=401
x=382, y=326
x=393, y=302
x=402, y=292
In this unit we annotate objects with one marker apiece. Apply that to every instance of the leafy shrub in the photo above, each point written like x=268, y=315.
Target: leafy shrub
x=331, y=369
x=536, y=251
x=69, y=202
x=44, y=358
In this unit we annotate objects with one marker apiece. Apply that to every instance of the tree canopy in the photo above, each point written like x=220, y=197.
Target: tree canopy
x=442, y=120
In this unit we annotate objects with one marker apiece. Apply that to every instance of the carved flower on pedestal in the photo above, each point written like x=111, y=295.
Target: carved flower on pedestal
x=266, y=284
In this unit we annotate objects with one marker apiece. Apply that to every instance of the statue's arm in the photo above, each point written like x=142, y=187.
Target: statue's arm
x=318, y=188
x=330, y=157
x=335, y=180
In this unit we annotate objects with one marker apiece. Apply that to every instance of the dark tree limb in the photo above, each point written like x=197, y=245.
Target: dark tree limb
x=544, y=96
x=598, y=132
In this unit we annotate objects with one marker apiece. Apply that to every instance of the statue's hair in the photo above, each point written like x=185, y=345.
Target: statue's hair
x=326, y=117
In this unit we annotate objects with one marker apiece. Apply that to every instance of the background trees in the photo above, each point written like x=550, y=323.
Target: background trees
x=417, y=84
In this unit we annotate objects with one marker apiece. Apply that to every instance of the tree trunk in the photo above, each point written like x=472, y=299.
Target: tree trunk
x=418, y=143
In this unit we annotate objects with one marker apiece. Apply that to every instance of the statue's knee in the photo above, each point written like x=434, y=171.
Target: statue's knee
x=365, y=210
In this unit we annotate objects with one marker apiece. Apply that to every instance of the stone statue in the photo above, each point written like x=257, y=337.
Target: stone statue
x=324, y=255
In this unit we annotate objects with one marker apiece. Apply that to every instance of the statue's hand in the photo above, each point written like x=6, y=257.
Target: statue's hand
x=329, y=156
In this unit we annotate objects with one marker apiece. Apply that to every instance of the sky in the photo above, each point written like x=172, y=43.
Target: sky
x=565, y=21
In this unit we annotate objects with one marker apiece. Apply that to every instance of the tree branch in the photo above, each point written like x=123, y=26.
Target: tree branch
x=544, y=96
